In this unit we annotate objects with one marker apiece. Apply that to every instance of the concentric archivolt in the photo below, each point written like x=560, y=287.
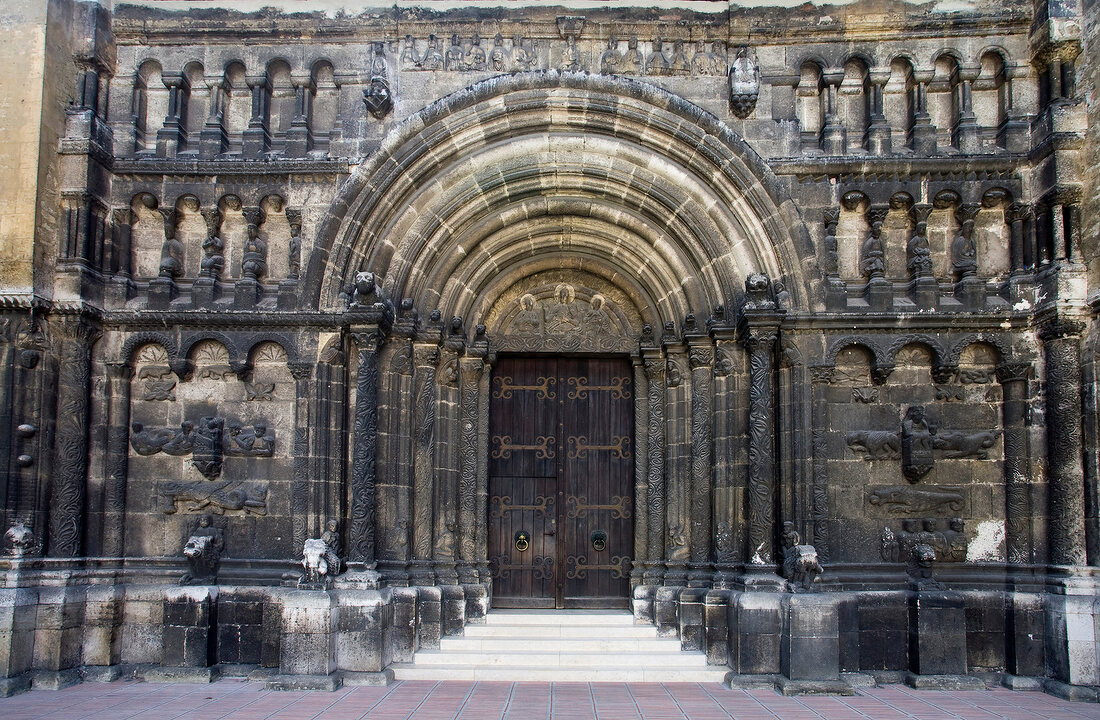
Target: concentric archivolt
x=545, y=172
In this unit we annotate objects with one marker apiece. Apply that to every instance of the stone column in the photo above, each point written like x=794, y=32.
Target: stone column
x=836, y=293
x=299, y=139
x=834, y=136
x=481, y=514
x=701, y=360
x=654, y=363
x=1016, y=214
x=759, y=337
x=1066, y=519
x=878, y=131
x=677, y=462
x=641, y=474
x=70, y=468
x=821, y=376
x=300, y=507
x=966, y=130
x=425, y=358
x=923, y=132
x=470, y=370
x=257, y=136
x=1013, y=378
x=119, y=376
x=212, y=137
x=368, y=341
x=923, y=287
x=873, y=260
x=171, y=135
x=728, y=540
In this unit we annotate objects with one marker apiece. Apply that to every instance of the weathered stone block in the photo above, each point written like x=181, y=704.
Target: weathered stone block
x=937, y=633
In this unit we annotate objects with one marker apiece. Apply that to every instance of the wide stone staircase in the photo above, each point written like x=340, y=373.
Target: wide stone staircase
x=562, y=646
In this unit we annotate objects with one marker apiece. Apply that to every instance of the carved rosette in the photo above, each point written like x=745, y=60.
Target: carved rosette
x=1064, y=461
x=760, y=342
x=367, y=341
x=71, y=444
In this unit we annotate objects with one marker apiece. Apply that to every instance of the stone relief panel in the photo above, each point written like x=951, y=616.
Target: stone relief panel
x=902, y=449
x=561, y=312
x=216, y=440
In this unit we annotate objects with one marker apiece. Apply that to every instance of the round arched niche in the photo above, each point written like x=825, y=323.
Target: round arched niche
x=564, y=311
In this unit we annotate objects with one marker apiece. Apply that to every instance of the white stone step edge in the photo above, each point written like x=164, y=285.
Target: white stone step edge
x=673, y=659
x=562, y=631
x=570, y=618
x=405, y=671
x=570, y=644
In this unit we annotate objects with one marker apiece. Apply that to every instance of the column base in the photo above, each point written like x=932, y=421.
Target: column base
x=329, y=682
x=190, y=675
x=944, y=682
x=786, y=686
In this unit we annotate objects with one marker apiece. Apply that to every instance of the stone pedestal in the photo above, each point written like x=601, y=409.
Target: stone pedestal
x=307, y=656
x=429, y=617
x=937, y=642
x=57, y=637
x=102, y=611
x=810, y=646
x=364, y=635
x=692, y=628
x=666, y=611
x=642, y=603
x=17, y=618
x=1073, y=651
x=716, y=627
x=189, y=637
x=757, y=623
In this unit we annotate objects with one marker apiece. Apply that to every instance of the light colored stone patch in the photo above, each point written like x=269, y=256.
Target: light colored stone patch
x=988, y=543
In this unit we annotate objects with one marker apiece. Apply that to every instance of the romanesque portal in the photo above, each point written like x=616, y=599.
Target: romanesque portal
x=782, y=343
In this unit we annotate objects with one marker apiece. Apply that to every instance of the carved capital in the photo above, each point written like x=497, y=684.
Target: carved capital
x=120, y=371
x=1018, y=211
x=832, y=218
x=761, y=338
x=1059, y=329
x=822, y=374
x=881, y=373
x=367, y=340
x=425, y=355
x=1013, y=372
x=942, y=374
x=300, y=370
x=654, y=368
x=919, y=215
x=700, y=357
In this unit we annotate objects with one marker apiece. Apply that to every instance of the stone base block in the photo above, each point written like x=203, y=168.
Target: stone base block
x=1018, y=682
x=944, y=682
x=786, y=686
x=101, y=673
x=236, y=670
x=735, y=681
x=14, y=685
x=328, y=682
x=859, y=680
x=56, y=679
x=1076, y=693
x=194, y=675
x=373, y=679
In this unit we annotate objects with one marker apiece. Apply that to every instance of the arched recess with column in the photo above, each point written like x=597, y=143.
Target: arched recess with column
x=638, y=207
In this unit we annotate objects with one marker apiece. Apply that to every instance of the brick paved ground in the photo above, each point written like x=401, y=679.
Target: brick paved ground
x=126, y=700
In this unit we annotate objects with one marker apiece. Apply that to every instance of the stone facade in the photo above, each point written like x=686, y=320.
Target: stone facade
x=258, y=265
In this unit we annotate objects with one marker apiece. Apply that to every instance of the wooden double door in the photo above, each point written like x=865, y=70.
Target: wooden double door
x=561, y=467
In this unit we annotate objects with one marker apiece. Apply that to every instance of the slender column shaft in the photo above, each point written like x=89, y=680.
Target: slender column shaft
x=701, y=359
x=1013, y=378
x=761, y=511
x=367, y=341
x=1064, y=461
x=119, y=376
x=655, y=495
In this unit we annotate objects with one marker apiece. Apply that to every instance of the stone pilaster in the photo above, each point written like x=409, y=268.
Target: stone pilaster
x=368, y=341
x=759, y=336
x=654, y=363
x=70, y=467
x=1013, y=378
x=701, y=361
x=119, y=376
x=300, y=508
x=641, y=474
x=470, y=384
x=425, y=358
x=1061, y=344
x=819, y=490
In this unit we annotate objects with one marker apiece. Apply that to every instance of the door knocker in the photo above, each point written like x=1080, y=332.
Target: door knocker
x=599, y=540
x=523, y=540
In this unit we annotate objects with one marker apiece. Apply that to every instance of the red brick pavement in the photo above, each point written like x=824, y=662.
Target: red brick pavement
x=241, y=700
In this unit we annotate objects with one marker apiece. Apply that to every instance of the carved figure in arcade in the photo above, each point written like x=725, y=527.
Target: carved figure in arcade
x=433, y=56
x=949, y=544
x=611, y=59
x=632, y=61
x=208, y=442
x=801, y=565
x=916, y=444
x=563, y=317
x=571, y=56
x=22, y=540
x=377, y=96
x=203, y=551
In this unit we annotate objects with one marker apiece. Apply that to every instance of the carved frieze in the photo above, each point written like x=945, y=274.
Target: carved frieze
x=564, y=322
x=946, y=537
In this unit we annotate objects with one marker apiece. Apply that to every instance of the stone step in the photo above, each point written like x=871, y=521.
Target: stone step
x=571, y=618
x=592, y=643
x=558, y=658
x=408, y=671
x=519, y=630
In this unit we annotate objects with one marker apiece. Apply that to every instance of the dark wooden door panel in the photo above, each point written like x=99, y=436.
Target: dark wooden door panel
x=561, y=462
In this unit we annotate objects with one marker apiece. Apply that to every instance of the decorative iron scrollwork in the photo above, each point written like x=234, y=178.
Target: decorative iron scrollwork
x=578, y=506
x=579, y=446
x=503, y=503
x=619, y=387
x=542, y=567
x=577, y=567
x=543, y=447
x=505, y=387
